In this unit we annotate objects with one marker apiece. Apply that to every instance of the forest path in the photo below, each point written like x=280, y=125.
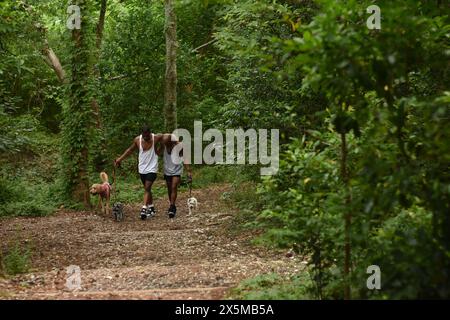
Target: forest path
x=190, y=257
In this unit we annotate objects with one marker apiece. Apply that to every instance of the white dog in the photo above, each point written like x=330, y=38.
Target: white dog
x=192, y=204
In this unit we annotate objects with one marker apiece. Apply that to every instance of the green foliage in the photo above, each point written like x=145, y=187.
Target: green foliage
x=403, y=245
x=133, y=51
x=272, y=287
x=26, y=200
x=305, y=201
x=27, y=84
x=377, y=88
x=15, y=132
x=256, y=98
x=6, y=193
x=205, y=175
x=16, y=260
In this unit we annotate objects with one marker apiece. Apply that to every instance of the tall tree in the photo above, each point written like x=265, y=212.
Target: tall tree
x=99, y=145
x=170, y=104
x=77, y=114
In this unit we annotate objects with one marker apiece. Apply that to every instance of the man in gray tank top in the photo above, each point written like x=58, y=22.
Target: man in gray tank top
x=172, y=170
x=146, y=144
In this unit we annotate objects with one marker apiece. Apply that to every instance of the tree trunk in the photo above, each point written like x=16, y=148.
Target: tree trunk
x=347, y=218
x=78, y=115
x=79, y=97
x=99, y=144
x=170, y=103
x=101, y=23
x=53, y=61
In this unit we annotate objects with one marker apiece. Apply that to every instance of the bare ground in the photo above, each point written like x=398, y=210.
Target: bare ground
x=190, y=257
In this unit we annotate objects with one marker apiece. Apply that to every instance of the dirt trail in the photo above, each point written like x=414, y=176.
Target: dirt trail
x=190, y=257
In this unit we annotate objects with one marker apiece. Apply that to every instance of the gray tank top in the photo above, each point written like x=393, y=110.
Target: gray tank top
x=170, y=168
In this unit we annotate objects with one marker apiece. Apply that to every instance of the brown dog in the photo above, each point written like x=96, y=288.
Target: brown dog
x=103, y=191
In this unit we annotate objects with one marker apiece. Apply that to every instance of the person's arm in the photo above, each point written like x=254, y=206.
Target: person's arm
x=158, y=138
x=127, y=152
x=159, y=141
x=159, y=148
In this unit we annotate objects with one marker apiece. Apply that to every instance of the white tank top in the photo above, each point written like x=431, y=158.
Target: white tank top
x=148, y=160
x=170, y=168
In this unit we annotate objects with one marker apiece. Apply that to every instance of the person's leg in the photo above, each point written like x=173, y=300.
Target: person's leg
x=147, y=208
x=169, y=186
x=145, y=191
x=174, y=189
x=173, y=196
x=148, y=197
x=151, y=177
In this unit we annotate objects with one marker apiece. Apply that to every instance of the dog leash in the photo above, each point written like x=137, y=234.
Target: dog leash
x=190, y=189
x=114, y=184
x=117, y=206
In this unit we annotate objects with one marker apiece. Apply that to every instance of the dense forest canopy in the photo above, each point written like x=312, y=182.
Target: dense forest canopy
x=363, y=116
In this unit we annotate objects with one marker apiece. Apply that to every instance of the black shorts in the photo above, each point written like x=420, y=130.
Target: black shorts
x=148, y=177
x=169, y=178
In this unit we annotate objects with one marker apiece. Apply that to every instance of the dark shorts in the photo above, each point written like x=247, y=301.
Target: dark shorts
x=148, y=177
x=169, y=178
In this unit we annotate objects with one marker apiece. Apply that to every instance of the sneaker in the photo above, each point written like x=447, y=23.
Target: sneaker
x=172, y=211
x=144, y=213
x=151, y=212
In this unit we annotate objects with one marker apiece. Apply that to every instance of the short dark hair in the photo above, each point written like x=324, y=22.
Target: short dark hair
x=146, y=129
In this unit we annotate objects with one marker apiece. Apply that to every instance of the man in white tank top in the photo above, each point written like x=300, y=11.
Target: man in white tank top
x=172, y=171
x=148, y=165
